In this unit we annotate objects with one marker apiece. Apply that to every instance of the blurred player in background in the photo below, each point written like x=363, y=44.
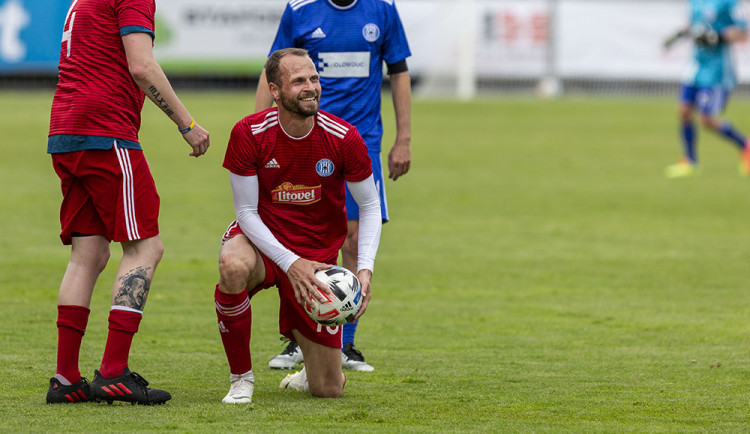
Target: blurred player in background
x=288, y=167
x=349, y=40
x=106, y=65
x=714, y=26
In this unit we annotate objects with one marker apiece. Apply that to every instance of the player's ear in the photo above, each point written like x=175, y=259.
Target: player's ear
x=275, y=91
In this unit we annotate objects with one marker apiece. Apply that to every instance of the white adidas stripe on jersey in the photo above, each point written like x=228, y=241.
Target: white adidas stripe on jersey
x=296, y=4
x=332, y=123
x=330, y=130
x=272, y=119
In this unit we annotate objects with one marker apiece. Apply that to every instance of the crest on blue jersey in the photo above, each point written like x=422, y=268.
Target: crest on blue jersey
x=371, y=32
x=324, y=167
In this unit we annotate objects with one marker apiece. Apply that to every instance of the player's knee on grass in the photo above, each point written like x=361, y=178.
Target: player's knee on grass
x=329, y=389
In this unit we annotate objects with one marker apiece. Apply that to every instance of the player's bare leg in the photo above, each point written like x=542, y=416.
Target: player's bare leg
x=322, y=367
x=114, y=381
x=88, y=257
x=136, y=270
x=240, y=267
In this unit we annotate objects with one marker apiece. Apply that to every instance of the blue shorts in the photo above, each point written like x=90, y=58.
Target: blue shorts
x=709, y=101
x=352, y=209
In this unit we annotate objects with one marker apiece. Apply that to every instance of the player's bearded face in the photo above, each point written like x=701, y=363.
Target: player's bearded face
x=300, y=90
x=305, y=102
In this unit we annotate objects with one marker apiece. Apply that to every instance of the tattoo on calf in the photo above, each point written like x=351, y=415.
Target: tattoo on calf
x=160, y=101
x=134, y=289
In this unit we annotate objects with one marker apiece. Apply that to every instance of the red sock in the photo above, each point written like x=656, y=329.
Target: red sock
x=71, y=326
x=235, y=320
x=123, y=325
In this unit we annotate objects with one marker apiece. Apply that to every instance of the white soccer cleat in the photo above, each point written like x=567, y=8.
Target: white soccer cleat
x=288, y=358
x=241, y=389
x=353, y=360
x=296, y=381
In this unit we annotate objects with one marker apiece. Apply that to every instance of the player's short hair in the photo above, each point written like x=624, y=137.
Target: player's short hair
x=273, y=70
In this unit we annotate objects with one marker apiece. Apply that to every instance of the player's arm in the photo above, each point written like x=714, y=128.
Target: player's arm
x=301, y=272
x=399, y=158
x=263, y=98
x=734, y=34
x=370, y=224
x=704, y=35
x=151, y=79
x=676, y=36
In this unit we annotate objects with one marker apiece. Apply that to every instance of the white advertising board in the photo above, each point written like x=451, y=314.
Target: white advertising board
x=615, y=39
x=210, y=30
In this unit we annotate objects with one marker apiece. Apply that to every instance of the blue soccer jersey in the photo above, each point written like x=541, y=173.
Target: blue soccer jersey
x=713, y=66
x=348, y=46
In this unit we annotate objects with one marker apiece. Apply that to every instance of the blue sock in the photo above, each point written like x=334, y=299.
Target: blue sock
x=348, y=333
x=688, y=141
x=728, y=131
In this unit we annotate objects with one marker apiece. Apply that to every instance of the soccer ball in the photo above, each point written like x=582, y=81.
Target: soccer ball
x=345, y=301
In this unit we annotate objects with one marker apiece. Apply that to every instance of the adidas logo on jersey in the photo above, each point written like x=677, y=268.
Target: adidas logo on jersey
x=318, y=33
x=272, y=164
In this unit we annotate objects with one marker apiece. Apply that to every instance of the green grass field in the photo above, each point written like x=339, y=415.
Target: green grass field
x=539, y=274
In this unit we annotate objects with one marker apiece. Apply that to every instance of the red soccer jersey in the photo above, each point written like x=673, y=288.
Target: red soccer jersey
x=96, y=95
x=300, y=180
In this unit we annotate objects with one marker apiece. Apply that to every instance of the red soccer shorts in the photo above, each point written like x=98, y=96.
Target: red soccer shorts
x=291, y=314
x=107, y=192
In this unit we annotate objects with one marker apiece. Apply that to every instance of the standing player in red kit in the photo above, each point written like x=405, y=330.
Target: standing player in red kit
x=288, y=166
x=106, y=66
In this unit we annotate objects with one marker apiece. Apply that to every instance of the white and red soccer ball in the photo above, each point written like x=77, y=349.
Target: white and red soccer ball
x=345, y=301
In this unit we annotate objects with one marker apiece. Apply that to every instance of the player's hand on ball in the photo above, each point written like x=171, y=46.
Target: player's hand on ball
x=364, y=277
x=198, y=139
x=302, y=277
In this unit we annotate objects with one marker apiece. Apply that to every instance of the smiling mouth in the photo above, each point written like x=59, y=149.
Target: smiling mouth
x=309, y=98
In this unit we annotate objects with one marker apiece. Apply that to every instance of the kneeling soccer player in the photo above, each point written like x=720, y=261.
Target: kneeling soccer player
x=288, y=169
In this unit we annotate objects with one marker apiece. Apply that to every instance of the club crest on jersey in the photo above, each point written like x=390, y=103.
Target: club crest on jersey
x=324, y=167
x=296, y=194
x=371, y=32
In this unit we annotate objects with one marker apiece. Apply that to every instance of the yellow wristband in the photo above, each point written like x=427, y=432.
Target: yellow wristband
x=187, y=130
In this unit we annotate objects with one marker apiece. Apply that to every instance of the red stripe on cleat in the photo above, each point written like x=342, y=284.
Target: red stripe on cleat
x=69, y=398
x=109, y=392
x=122, y=386
x=82, y=395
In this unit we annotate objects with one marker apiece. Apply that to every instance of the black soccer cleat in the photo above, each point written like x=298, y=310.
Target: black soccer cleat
x=59, y=393
x=128, y=387
x=353, y=360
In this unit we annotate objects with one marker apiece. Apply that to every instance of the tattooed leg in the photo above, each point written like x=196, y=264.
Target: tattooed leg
x=136, y=271
x=133, y=289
